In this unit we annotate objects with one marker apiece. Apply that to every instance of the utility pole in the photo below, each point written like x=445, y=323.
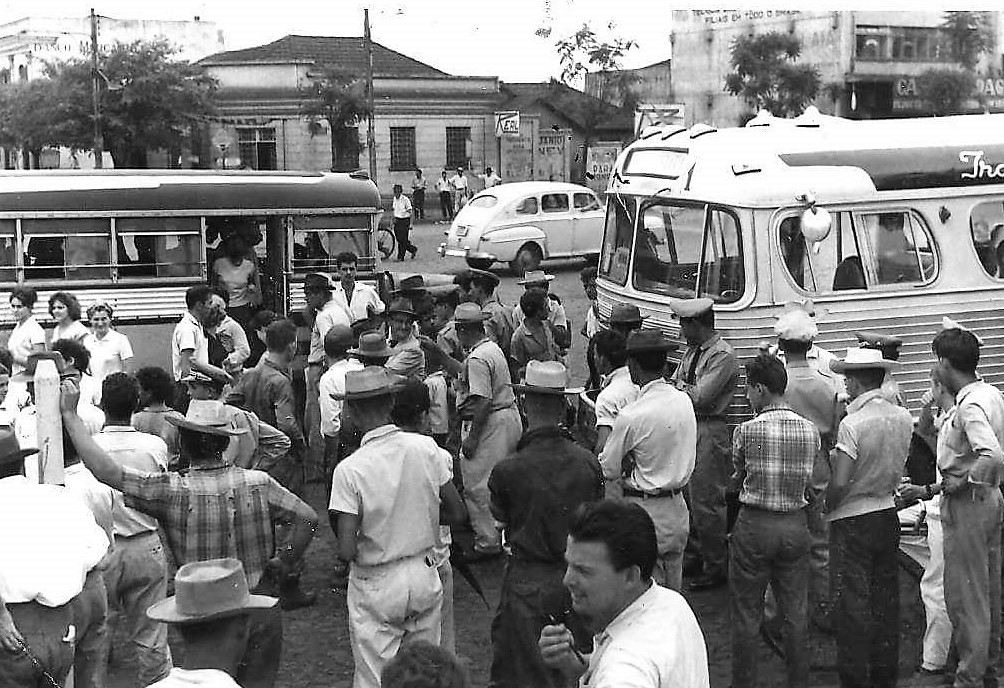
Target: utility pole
x=99, y=143
x=370, y=136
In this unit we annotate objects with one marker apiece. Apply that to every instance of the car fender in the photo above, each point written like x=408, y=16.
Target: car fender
x=506, y=241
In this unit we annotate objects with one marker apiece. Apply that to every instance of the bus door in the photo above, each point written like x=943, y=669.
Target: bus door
x=273, y=264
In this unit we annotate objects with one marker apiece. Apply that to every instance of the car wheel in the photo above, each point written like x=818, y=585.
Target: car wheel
x=479, y=263
x=527, y=258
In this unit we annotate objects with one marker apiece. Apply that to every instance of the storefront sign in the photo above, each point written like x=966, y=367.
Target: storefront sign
x=506, y=123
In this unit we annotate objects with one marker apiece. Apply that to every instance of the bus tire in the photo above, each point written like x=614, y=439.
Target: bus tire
x=479, y=263
x=527, y=258
x=385, y=242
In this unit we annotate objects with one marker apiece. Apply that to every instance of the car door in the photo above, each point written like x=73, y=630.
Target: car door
x=587, y=223
x=556, y=222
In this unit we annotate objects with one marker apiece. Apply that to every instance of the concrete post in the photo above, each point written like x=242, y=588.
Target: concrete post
x=49, y=424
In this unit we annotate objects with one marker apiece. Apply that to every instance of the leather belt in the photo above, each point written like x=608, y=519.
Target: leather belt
x=631, y=492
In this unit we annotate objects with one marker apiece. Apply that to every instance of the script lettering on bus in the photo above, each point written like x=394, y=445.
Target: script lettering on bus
x=981, y=168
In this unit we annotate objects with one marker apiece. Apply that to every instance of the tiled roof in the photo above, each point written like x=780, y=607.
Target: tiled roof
x=347, y=52
x=571, y=104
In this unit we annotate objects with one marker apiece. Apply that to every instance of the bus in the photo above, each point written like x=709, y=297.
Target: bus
x=885, y=225
x=138, y=239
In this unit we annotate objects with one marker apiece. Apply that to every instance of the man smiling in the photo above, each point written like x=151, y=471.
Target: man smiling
x=646, y=636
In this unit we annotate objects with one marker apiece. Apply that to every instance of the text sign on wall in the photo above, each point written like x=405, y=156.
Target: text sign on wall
x=506, y=123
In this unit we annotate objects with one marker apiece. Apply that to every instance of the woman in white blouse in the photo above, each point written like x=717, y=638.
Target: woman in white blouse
x=65, y=310
x=110, y=350
x=27, y=336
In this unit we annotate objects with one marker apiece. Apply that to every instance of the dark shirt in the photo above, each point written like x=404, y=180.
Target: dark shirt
x=535, y=491
x=267, y=391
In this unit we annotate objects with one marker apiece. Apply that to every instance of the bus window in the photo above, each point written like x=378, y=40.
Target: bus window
x=668, y=250
x=986, y=225
x=159, y=246
x=901, y=249
x=318, y=239
x=67, y=249
x=722, y=273
x=615, y=254
x=833, y=264
x=8, y=250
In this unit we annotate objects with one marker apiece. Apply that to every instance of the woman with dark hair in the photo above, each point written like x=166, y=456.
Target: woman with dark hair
x=110, y=350
x=27, y=336
x=236, y=272
x=65, y=310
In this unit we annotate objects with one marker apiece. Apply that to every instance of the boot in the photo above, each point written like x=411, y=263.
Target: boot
x=292, y=597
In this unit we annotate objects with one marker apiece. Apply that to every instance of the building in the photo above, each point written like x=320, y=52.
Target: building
x=650, y=84
x=424, y=118
x=27, y=44
x=869, y=61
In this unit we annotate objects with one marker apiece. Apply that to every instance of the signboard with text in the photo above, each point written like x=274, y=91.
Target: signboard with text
x=506, y=124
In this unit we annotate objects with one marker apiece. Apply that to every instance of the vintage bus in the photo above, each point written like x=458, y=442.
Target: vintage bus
x=885, y=225
x=138, y=239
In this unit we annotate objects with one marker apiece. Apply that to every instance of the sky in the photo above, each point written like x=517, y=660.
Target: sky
x=463, y=37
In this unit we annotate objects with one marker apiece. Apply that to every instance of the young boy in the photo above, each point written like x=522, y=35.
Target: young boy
x=532, y=340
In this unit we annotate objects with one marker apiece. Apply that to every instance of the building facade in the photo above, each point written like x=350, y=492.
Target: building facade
x=869, y=61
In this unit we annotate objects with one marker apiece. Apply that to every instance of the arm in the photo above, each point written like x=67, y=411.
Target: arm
x=11, y=639
x=602, y=435
x=989, y=457
x=348, y=527
x=452, y=511
x=480, y=408
x=94, y=457
x=738, y=461
x=618, y=445
x=452, y=366
x=557, y=649
x=204, y=368
x=842, y=468
x=718, y=372
x=242, y=349
x=300, y=520
x=273, y=445
x=285, y=419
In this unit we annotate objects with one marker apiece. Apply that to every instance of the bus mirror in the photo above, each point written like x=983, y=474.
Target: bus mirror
x=815, y=224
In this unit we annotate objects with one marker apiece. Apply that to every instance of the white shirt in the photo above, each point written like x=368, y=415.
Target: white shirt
x=439, y=411
x=655, y=642
x=402, y=207
x=108, y=353
x=26, y=430
x=75, y=330
x=98, y=497
x=130, y=448
x=23, y=338
x=490, y=180
x=188, y=334
x=235, y=341
x=331, y=314
x=48, y=543
x=363, y=295
x=441, y=552
x=459, y=182
x=196, y=678
x=443, y=185
x=617, y=392
x=593, y=326
x=392, y=481
x=659, y=431
x=333, y=381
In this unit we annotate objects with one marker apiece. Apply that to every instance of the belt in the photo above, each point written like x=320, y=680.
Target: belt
x=119, y=536
x=669, y=492
x=314, y=363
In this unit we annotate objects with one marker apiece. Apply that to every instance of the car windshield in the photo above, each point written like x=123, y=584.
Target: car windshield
x=483, y=201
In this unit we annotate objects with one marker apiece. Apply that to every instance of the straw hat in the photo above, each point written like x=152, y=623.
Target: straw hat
x=206, y=416
x=468, y=313
x=372, y=345
x=860, y=358
x=546, y=377
x=796, y=326
x=371, y=381
x=535, y=277
x=205, y=590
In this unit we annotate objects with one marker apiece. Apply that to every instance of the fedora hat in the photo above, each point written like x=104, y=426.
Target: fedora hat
x=402, y=306
x=546, y=377
x=484, y=274
x=28, y=374
x=535, y=277
x=371, y=381
x=206, y=416
x=877, y=340
x=860, y=358
x=10, y=449
x=197, y=378
x=410, y=284
x=643, y=341
x=625, y=314
x=372, y=345
x=469, y=313
x=690, y=308
x=205, y=590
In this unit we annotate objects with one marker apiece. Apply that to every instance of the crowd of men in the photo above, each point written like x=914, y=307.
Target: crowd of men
x=447, y=408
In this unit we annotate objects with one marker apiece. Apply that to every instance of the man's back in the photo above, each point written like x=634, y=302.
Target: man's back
x=813, y=396
x=154, y=422
x=267, y=391
x=133, y=449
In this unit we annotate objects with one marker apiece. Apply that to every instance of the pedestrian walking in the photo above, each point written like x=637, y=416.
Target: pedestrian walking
x=418, y=186
x=445, y=190
x=402, y=210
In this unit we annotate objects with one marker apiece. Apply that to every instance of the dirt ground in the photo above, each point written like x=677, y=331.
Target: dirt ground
x=316, y=645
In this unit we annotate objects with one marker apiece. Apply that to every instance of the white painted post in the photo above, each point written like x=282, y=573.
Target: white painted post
x=49, y=423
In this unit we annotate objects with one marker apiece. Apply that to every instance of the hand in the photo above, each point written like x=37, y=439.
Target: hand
x=427, y=343
x=909, y=493
x=280, y=567
x=10, y=638
x=953, y=483
x=69, y=396
x=556, y=646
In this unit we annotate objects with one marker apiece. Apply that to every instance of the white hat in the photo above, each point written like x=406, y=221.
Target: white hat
x=796, y=326
x=860, y=358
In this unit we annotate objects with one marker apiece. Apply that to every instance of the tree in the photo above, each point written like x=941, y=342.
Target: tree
x=767, y=75
x=26, y=117
x=584, y=49
x=970, y=34
x=337, y=97
x=149, y=101
x=945, y=90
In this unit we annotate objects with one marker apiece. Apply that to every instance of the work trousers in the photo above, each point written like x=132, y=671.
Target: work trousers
x=707, y=494
x=136, y=577
x=769, y=548
x=389, y=604
x=402, y=232
x=418, y=201
x=972, y=526
x=819, y=567
x=863, y=554
x=938, y=633
x=259, y=668
x=90, y=620
x=446, y=205
x=46, y=633
x=672, y=525
x=532, y=597
x=498, y=440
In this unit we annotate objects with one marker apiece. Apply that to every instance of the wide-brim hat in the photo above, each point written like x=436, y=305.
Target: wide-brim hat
x=207, y=416
x=546, y=377
x=490, y=276
x=10, y=448
x=197, y=378
x=205, y=590
x=625, y=314
x=371, y=381
x=372, y=345
x=691, y=308
x=535, y=277
x=876, y=340
x=402, y=306
x=644, y=341
x=469, y=313
x=411, y=284
x=861, y=358
x=31, y=366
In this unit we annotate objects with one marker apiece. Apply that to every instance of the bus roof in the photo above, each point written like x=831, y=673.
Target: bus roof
x=836, y=159
x=40, y=191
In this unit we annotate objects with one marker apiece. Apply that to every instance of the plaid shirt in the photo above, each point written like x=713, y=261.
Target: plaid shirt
x=772, y=456
x=217, y=511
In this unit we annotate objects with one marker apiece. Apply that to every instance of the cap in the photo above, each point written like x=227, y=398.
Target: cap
x=691, y=308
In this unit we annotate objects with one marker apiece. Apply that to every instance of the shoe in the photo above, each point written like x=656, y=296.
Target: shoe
x=708, y=581
x=292, y=597
x=929, y=677
x=772, y=637
x=414, y=252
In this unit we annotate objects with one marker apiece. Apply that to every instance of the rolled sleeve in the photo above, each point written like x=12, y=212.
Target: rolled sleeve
x=617, y=447
x=847, y=441
x=345, y=497
x=151, y=493
x=284, y=505
x=989, y=462
x=606, y=410
x=479, y=378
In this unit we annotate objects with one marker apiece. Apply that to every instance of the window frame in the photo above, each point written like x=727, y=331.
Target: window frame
x=403, y=153
x=452, y=161
x=257, y=140
x=983, y=201
x=556, y=194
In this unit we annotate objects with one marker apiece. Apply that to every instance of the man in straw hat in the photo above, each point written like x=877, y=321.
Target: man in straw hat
x=651, y=451
x=389, y=497
x=491, y=422
x=867, y=463
x=211, y=608
x=708, y=374
x=889, y=346
x=46, y=561
x=971, y=462
x=534, y=492
x=407, y=358
x=214, y=511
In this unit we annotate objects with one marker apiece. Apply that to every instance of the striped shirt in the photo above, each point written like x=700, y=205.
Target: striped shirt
x=772, y=457
x=215, y=512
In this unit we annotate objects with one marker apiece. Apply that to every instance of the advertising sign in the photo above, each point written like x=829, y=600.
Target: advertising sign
x=506, y=123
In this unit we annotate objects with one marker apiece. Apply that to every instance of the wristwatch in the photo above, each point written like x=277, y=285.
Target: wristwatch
x=928, y=491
